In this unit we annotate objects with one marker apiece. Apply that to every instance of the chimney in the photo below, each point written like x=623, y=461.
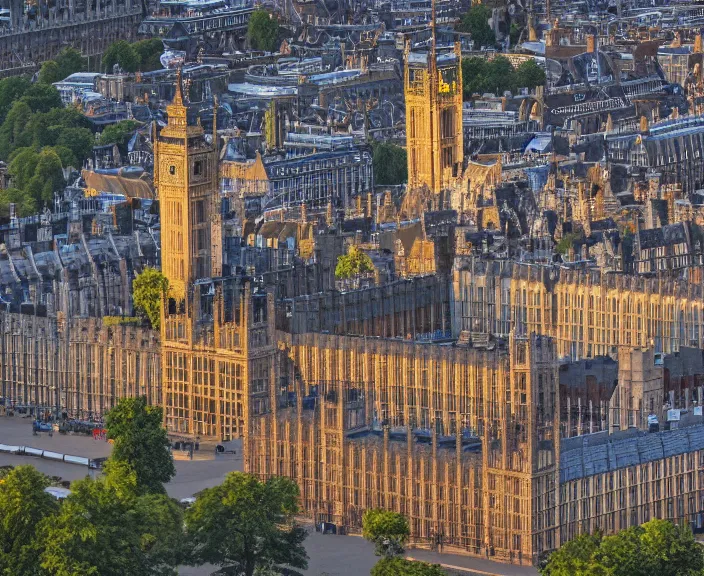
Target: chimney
x=591, y=43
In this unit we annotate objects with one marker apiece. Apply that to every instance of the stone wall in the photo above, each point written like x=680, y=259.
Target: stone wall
x=76, y=366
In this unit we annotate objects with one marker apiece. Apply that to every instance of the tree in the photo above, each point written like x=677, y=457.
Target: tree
x=50, y=72
x=573, y=558
x=66, y=155
x=48, y=177
x=390, y=164
x=13, y=133
x=388, y=531
x=656, y=547
x=245, y=526
x=476, y=22
x=147, y=290
x=22, y=167
x=23, y=506
x=473, y=74
x=25, y=204
x=123, y=54
x=149, y=53
x=42, y=98
x=79, y=140
x=11, y=89
x=402, y=567
x=499, y=76
x=263, y=31
x=352, y=264
x=140, y=441
x=119, y=133
x=106, y=527
x=529, y=75
x=70, y=61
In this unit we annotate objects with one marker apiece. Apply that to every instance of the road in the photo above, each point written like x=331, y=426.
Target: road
x=328, y=555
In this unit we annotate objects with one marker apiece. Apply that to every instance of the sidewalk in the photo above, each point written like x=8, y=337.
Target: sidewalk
x=471, y=565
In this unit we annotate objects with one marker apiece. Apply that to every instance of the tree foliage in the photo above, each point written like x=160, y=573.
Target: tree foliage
x=68, y=61
x=498, y=75
x=476, y=22
x=147, y=290
x=119, y=133
x=352, y=264
x=38, y=174
x=657, y=547
x=402, y=567
x=149, y=53
x=108, y=527
x=25, y=204
x=140, y=441
x=23, y=506
x=123, y=54
x=390, y=164
x=246, y=526
x=263, y=31
x=388, y=531
x=11, y=90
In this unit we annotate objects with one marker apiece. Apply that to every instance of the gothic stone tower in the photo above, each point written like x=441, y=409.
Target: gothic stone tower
x=433, y=93
x=186, y=175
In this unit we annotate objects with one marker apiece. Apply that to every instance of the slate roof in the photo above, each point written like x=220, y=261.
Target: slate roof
x=663, y=236
x=585, y=456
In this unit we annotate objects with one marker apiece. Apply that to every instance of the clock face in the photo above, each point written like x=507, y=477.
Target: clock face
x=447, y=81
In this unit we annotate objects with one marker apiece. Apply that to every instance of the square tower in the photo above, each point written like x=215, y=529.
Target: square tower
x=433, y=94
x=186, y=176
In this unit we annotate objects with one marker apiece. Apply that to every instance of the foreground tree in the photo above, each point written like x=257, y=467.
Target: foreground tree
x=119, y=133
x=107, y=528
x=388, y=531
x=23, y=506
x=147, y=290
x=263, y=30
x=657, y=547
x=403, y=567
x=140, y=441
x=246, y=526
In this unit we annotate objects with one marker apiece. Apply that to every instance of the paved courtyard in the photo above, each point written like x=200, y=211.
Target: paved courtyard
x=329, y=555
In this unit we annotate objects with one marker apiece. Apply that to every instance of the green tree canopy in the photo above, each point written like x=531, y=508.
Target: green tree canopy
x=263, y=31
x=352, y=264
x=140, y=441
x=79, y=140
x=107, y=527
x=50, y=72
x=149, y=52
x=13, y=133
x=24, y=203
x=476, y=22
x=11, y=89
x=657, y=547
x=70, y=61
x=23, y=506
x=244, y=526
x=388, y=531
x=123, y=54
x=119, y=133
x=42, y=98
x=147, y=290
x=401, y=567
x=390, y=164
x=529, y=75
x=66, y=63
x=48, y=178
x=22, y=166
x=498, y=75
